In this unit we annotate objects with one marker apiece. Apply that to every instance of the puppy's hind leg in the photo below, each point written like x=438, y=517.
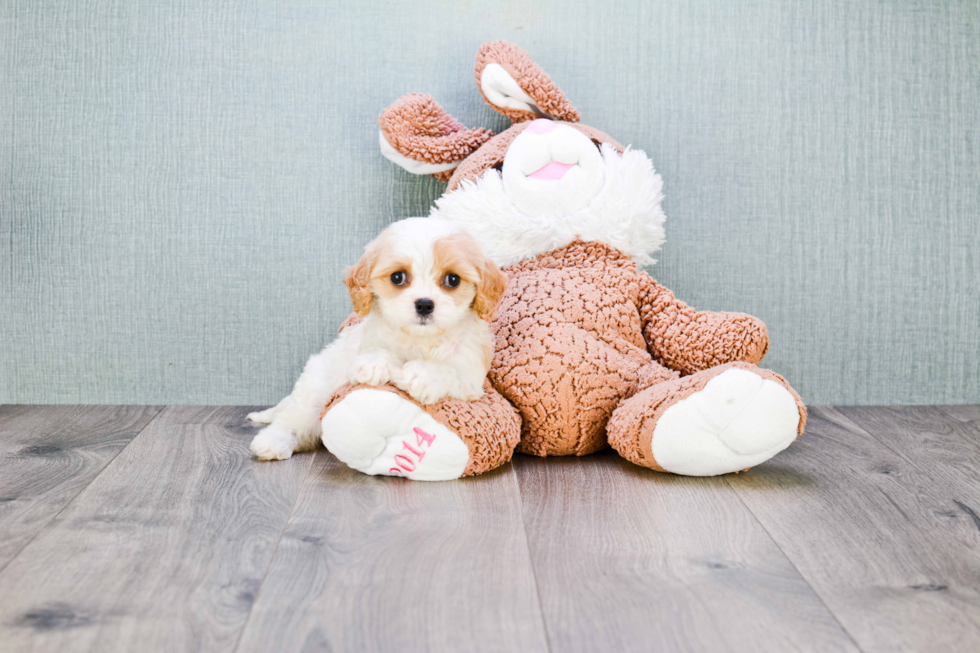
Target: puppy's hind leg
x=296, y=422
x=274, y=442
x=266, y=416
x=295, y=425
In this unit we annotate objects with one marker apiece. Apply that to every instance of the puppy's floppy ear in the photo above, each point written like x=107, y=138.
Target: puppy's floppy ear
x=358, y=281
x=489, y=290
x=514, y=85
x=421, y=137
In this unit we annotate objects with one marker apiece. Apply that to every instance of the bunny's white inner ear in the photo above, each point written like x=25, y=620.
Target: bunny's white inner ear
x=413, y=166
x=504, y=91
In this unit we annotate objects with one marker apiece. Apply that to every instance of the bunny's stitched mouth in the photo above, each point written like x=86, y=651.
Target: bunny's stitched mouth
x=552, y=171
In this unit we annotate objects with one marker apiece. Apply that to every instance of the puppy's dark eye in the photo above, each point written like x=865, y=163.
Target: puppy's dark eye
x=399, y=278
x=451, y=280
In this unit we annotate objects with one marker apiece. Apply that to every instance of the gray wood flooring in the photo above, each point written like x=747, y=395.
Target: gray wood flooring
x=149, y=528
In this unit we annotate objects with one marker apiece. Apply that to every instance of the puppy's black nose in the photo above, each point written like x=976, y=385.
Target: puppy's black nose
x=424, y=307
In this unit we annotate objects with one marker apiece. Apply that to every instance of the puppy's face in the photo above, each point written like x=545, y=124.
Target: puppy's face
x=424, y=276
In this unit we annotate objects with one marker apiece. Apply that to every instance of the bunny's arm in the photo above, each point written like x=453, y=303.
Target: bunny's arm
x=689, y=341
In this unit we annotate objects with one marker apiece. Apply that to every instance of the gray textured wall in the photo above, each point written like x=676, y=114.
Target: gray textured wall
x=181, y=183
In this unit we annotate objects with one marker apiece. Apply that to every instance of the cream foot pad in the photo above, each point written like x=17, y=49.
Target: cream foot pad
x=381, y=433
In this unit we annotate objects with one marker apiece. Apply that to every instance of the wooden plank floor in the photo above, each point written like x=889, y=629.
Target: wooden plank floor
x=144, y=529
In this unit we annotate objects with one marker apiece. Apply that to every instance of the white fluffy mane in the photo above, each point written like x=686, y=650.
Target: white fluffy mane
x=625, y=214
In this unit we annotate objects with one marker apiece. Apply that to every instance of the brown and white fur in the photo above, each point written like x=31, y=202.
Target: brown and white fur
x=425, y=292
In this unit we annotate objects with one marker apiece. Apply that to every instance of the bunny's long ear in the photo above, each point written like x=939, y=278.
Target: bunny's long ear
x=418, y=135
x=514, y=85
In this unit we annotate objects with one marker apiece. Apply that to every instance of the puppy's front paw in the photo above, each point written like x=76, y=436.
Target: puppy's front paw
x=371, y=369
x=273, y=443
x=425, y=382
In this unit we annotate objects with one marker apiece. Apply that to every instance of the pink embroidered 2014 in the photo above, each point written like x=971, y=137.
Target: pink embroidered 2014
x=423, y=440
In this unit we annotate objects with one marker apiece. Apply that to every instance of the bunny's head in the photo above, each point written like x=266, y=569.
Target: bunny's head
x=538, y=185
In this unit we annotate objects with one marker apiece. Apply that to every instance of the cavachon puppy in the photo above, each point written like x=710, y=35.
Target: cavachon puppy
x=424, y=292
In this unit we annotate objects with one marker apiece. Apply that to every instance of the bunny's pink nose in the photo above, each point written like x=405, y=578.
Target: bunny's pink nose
x=541, y=126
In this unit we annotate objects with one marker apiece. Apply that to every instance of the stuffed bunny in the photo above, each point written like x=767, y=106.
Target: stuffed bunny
x=590, y=351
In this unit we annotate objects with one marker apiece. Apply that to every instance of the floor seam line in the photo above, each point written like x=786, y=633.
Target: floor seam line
x=530, y=559
x=793, y=564
x=275, y=549
x=78, y=494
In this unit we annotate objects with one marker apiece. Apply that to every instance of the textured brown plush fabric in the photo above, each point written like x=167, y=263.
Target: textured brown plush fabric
x=631, y=427
x=417, y=127
x=493, y=152
x=689, y=341
x=529, y=76
x=489, y=426
x=575, y=332
x=570, y=346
